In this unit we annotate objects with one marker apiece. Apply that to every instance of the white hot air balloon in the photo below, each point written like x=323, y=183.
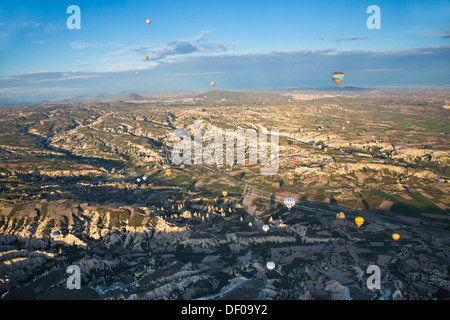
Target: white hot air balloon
x=265, y=228
x=270, y=265
x=144, y=177
x=289, y=202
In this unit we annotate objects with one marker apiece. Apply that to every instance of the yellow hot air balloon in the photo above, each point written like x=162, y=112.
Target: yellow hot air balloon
x=137, y=72
x=213, y=83
x=137, y=274
x=359, y=221
x=146, y=57
x=224, y=193
x=337, y=77
x=395, y=236
x=168, y=172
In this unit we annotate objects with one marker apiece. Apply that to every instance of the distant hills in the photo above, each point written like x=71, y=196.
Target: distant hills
x=132, y=97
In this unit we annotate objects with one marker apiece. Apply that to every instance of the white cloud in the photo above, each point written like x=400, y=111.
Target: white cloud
x=352, y=38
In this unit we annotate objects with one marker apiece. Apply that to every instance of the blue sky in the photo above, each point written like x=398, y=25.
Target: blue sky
x=240, y=44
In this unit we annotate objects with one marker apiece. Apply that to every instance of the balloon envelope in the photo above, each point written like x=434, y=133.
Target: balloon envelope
x=213, y=83
x=224, y=193
x=337, y=77
x=395, y=236
x=265, y=228
x=146, y=57
x=148, y=21
x=292, y=162
x=289, y=202
x=359, y=221
x=270, y=265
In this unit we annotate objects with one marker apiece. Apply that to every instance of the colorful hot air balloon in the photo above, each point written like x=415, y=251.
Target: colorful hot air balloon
x=359, y=221
x=42, y=122
x=138, y=124
x=265, y=228
x=289, y=202
x=310, y=253
x=337, y=77
x=292, y=162
x=395, y=236
x=224, y=193
x=340, y=215
x=168, y=172
x=182, y=166
x=148, y=21
x=270, y=265
x=213, y=83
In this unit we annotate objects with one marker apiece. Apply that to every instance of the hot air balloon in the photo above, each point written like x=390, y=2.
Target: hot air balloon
x=42, y=123
x=310, y=253
x=168, y=172
x=213, y=83
x=289, y=202
x=359, y=221
x=56, y=234
x=138, y=124
x=337, y=77
x=346, y=169
x=146, y=57
x=270, y=265
x=182, y=166
x=138, y=179
x=137, y=72
x=144, y=177
x=265, y=228
x=395, y=236
x=148, y=21
x=292, y=162
x=340, y=215
x=224, y=193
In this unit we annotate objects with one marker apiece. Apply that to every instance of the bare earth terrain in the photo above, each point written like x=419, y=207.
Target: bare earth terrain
x=97, y=173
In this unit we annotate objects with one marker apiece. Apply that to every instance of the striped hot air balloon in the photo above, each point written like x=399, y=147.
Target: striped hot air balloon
x=359, y=221
x=289, y=202
x=292, y=162
x=337, y=77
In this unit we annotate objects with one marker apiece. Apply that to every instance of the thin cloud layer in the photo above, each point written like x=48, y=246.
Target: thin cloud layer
x=424, y=66
x=352, y=38
x=176, y=48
